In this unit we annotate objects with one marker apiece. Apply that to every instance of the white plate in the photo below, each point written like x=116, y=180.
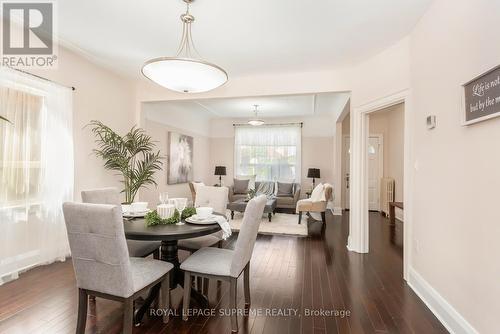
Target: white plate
x=195, y=217
x=135, y=214
x=206, y=221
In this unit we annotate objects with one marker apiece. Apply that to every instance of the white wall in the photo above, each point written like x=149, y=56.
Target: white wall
x=457, y=185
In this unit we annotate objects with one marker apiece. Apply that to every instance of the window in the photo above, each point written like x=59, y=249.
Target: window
x=20, y=149
x=36, y=171
x=271, y=153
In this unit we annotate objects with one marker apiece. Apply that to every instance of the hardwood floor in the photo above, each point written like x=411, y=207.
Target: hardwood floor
x=301, y=274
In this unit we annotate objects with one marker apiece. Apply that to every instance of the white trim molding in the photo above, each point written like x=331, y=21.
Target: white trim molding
x=358, y=240
x=449, y=317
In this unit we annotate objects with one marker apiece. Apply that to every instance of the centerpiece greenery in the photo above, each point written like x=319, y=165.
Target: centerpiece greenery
x=133, y=156
x=153, y=218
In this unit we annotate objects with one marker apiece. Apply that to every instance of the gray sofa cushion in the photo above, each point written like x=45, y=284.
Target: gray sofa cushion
x=285, y=190
x=241, y=186
x=285, y=202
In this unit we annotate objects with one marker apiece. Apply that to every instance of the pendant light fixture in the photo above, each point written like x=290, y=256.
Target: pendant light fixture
x=186, y=72
x=256, y=121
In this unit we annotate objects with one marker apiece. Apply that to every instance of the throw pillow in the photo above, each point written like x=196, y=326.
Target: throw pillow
x=282, y=180
x=285, y=189
x=240, y=186
x=318, y=193
x=251, y=178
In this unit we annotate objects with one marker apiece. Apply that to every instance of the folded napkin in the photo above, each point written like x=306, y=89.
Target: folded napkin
x=224, y=225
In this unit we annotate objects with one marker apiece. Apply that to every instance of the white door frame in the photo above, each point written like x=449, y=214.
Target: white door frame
x=358, y=240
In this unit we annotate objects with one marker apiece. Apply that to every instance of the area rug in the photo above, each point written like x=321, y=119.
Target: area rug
x=281, y=224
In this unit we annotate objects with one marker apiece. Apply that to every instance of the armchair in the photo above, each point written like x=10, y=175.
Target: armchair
x=309, y=205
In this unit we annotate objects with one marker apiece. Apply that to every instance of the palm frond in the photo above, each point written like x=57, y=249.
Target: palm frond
x=5, y=119
x=131, y=155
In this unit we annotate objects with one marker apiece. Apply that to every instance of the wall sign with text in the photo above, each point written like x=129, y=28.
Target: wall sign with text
x=482, y=97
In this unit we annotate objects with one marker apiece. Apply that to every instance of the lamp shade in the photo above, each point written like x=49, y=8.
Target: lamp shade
x=184, y=75
x=220, y=170
x=313, y=173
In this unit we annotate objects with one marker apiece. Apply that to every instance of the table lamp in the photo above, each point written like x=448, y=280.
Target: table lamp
x=314, y=174
x=220, y=170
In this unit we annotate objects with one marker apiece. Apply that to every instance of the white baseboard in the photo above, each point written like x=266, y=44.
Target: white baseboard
x=448, y=316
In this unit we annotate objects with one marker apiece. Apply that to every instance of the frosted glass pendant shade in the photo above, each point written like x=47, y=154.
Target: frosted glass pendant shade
x=184, y=74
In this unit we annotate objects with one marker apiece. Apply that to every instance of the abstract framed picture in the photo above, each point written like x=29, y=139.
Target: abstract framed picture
x=180, y=158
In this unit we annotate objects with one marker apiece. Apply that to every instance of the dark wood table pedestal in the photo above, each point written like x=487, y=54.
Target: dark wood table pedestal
x=169, y=235
x=169, y=253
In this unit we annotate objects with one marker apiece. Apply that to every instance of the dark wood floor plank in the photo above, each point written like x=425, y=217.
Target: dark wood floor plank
x=312, y=273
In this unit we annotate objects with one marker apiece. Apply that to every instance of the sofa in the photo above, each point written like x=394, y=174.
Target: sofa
x=282, y=202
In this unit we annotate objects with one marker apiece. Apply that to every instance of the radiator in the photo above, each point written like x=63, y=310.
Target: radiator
x=386, y=194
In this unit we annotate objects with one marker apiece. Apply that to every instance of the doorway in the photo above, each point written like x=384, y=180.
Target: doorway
x=361, y=125
x=375, y=151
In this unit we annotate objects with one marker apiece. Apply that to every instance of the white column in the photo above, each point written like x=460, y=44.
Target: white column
x=358, y=240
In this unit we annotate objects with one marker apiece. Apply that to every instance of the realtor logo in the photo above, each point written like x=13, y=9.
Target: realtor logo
x=28, y=34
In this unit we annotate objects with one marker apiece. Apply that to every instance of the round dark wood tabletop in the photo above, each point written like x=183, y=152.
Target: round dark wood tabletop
x=136, y=229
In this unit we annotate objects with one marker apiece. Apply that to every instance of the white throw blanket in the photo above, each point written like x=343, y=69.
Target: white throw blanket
x=224, y=225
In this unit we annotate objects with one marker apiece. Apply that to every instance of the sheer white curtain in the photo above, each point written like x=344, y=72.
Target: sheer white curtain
x=272, y=153
x=36, y=171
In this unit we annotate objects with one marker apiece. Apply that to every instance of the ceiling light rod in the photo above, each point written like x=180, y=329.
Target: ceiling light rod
x=187, y=45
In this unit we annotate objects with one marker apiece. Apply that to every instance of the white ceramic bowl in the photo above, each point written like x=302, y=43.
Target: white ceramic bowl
x=204, y=212
x=138, y=206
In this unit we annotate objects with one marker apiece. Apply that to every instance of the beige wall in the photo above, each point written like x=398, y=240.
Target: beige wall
x=201, y=148
x=100, y=95
x=389, y=122
x=456, y=224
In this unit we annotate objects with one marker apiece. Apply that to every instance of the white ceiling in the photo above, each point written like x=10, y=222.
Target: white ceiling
x=269, y=106
x=244, y=37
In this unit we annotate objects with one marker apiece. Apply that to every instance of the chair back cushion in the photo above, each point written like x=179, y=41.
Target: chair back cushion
x=318, y=193
x=98, y=248
x=214, y=197
x=102, y=196
x=247, y=235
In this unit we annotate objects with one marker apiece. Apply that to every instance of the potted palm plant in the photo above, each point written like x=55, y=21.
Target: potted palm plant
x=133, y=156
x=4, y=119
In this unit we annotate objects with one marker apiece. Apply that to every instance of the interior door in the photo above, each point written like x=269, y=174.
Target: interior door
x=374, y=172
x=347, y=159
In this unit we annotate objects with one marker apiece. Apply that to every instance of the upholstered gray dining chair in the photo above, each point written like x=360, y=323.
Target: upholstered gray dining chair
x=226, y=264
x=216, y=198
x=136, y=248
x=102, y=264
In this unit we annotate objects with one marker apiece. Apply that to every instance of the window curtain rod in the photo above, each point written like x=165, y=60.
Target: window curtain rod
x=39, y=77
x=301, y=124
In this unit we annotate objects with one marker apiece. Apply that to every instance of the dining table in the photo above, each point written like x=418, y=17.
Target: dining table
x=136, y=229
